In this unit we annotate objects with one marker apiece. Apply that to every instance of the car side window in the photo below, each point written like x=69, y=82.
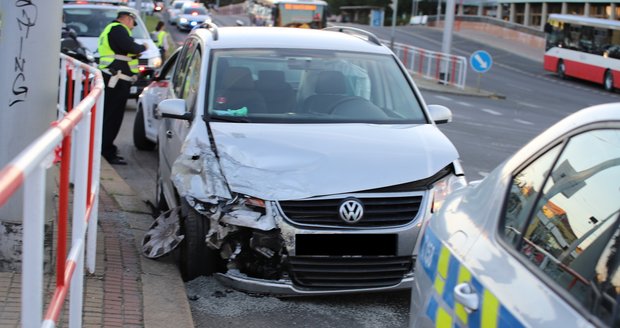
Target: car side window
x=562, y=217
x=192, y=81
x=181, y=70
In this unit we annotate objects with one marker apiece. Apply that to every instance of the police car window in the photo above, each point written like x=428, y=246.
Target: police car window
x=573, y=226
x=523, y=193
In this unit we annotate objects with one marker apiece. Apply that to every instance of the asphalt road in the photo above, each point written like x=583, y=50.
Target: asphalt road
x=485, y=131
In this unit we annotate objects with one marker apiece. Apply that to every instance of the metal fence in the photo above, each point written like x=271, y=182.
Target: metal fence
x=80, y=123
x=444, y=68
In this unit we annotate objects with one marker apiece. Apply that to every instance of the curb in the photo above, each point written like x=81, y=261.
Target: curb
x=165, y=302
x=432, y=85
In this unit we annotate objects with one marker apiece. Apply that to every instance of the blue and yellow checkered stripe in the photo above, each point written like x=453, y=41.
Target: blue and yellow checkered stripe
x=446, y=272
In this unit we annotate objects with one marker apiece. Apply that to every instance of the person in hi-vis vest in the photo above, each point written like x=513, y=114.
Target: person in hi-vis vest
x=160, y=36
x=118, y=60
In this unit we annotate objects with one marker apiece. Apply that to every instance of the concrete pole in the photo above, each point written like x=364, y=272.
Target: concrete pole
x=480, y=8
x=438, y=12
x=543, y=15
x=513, y=12
x=29, y=66
x=612, y=14
x=499, y=13
x=526, y=14
x=586, y=9
x=394, y=10
x=564, y=8
x=446, y=43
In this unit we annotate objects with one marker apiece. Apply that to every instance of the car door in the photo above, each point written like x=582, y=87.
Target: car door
x=185, y=85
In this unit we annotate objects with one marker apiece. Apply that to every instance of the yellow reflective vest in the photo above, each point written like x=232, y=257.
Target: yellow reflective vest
x=160, y=38
x=107, y=55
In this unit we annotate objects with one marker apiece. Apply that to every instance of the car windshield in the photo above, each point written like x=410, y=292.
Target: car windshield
x=90, y=22
x=310, y=86
x=194, y=11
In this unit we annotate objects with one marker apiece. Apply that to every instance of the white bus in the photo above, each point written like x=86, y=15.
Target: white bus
x=287, y=13
x=584, y=47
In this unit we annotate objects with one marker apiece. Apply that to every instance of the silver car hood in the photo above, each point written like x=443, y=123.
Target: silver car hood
x=294, y=161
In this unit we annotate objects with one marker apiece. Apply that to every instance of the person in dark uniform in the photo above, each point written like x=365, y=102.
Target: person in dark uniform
x=118, y=60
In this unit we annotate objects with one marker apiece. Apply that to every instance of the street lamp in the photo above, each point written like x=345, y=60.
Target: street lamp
x=394, y=6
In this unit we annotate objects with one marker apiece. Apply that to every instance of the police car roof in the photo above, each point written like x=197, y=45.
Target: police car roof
x=286, y=37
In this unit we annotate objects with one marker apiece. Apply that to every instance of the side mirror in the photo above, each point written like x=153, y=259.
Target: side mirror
x=173, y=108
x=440, y=114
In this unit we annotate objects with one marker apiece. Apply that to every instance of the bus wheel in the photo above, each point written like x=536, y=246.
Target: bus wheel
x=561, y=69
x=608, y=82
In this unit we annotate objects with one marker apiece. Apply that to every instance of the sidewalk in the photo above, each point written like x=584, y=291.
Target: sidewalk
x=127, y=289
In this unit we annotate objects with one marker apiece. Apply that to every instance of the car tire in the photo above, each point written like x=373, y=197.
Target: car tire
x=196, y=258
x=608, y=81
x=561, y=69
x=139, y=132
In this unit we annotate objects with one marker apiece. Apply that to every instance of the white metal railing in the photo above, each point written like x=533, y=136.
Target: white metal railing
x=81, y=123
x=444, y=68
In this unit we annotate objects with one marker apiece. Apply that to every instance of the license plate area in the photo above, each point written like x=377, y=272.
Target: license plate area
x=346, y=245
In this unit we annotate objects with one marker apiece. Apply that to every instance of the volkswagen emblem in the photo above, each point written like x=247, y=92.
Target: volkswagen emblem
x=351, y=210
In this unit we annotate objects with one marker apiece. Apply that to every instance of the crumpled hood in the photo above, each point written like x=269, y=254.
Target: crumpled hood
x=294, y=161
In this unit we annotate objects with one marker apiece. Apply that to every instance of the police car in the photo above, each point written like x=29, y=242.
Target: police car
x=88, y=21
x=534, y=244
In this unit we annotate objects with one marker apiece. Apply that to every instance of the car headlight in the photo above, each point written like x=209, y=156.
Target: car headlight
x=443, y=187
x=155, y=62
x=183, y=20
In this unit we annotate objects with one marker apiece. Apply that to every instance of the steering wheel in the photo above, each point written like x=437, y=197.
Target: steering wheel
x=341, y=102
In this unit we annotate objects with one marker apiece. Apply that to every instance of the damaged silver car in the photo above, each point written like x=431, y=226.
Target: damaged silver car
x=298, y=161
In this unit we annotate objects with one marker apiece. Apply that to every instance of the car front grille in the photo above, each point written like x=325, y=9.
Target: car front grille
x=342, y=272
x=379, y=211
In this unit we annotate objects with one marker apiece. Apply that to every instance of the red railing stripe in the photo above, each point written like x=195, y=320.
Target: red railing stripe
x=63, y=209
x=60, y=293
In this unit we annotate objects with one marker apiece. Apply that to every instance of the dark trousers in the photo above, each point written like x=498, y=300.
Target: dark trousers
x=113, y=112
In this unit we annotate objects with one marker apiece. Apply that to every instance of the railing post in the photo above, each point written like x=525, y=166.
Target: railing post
x=32, y=260
x=80, y=199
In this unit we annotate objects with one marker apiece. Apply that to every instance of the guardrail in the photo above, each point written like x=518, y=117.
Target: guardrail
x=438, y=66
x=81, y=123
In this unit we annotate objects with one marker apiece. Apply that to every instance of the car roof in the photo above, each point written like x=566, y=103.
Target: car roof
x=286, y=37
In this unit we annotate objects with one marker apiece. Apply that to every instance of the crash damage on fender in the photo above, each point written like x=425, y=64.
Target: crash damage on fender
x=275, y=212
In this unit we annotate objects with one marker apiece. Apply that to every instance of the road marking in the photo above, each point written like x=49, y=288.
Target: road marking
x=523, y=121
x=490, y=111
x=462, y=103
x=528, y=104
x=444, y=98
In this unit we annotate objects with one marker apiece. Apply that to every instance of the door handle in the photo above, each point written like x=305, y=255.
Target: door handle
x=169, y=134
x=464, y=294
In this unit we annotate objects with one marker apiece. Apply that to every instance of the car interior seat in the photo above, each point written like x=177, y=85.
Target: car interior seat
x=279, y=96
x=237, y=90
x=330, y=88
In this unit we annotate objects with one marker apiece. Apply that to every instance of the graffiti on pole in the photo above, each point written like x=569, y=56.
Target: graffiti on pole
x=26, y=19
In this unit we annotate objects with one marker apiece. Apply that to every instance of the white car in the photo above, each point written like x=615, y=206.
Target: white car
x=299, y=161
x=146, y=122
x=174, y=9
x=89, y=20
x=534, y=244
x=192, y=15
x=148, y=7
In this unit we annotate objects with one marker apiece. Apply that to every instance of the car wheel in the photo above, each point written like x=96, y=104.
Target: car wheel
x=561, y=69
x=608, y=81
x=139, y=133
x=196, y=258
